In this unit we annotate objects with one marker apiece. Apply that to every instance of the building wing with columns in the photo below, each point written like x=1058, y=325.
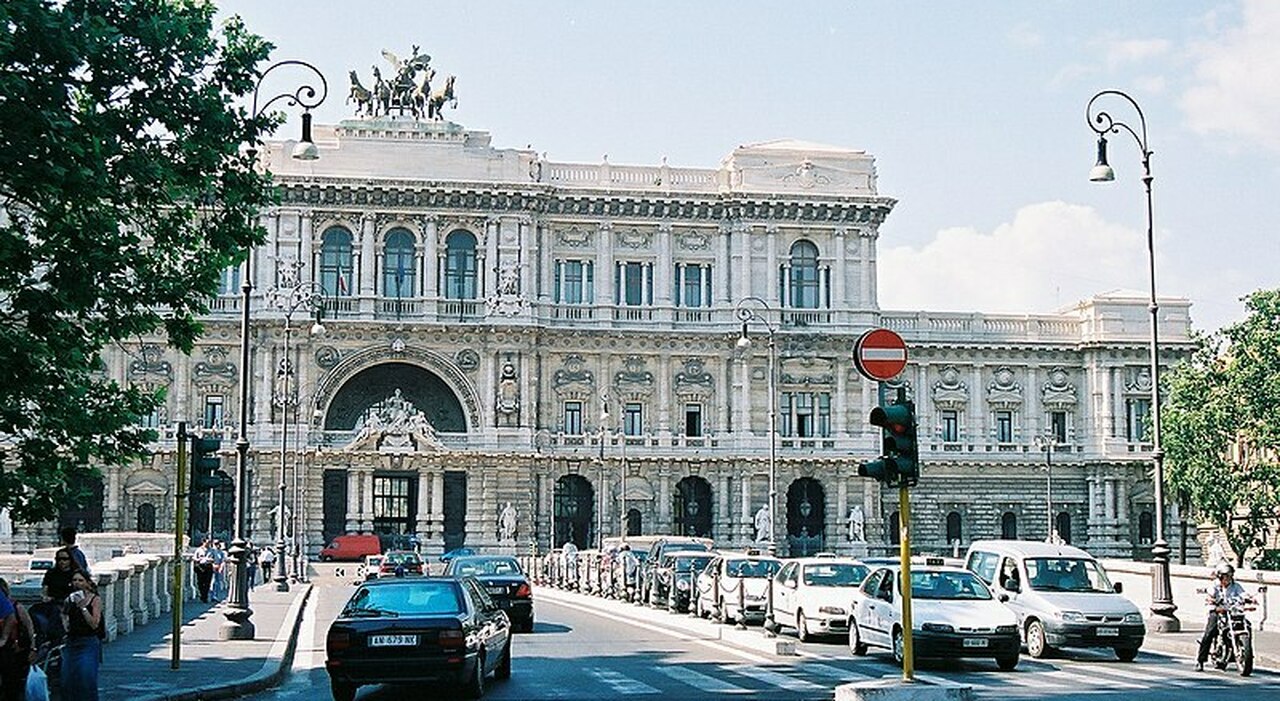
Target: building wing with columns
x=508, y=330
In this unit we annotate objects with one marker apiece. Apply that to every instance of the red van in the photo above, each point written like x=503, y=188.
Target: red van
x=351, y=547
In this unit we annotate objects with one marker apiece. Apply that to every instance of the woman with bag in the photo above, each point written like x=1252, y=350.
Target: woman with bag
x=82, y=653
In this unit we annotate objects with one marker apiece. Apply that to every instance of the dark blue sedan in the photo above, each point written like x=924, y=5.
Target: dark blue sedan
x=504, y=580
x=434, y=630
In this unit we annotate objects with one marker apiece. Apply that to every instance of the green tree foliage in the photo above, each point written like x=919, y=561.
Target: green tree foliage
x=125, y=191
x=1221, y=426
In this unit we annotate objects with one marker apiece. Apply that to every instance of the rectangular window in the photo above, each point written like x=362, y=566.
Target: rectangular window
x=574, y=282
x=392, y=504
x=213, y=411
x=1136, y=425
x=1058, y=425
x=806, y=414
x=693, y=420
x=693, y=285
x=784, y=410
x=229, y=284
x=1004, y=426
x=634, y=284
x=950, y=426
x=824, y=415
x=633, y=419
x=573, y=418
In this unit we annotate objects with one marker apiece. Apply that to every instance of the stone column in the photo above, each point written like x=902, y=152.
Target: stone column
x=771, y=271
x=437, y=503
x=423, y=517
x=605, y=264
x=745, y=525
x=366, y=500
x=1109, y=502
x=307, y=254
x=665, y=296
x=839, y=298
x=353, y=500
x=430, y=243
x=732, y=267
x=106, y=581
x=545, y=240
x=366, y=252
x=867, y=271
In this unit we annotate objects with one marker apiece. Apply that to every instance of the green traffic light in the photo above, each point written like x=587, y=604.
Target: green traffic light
x=899, y=462
x=205, y=463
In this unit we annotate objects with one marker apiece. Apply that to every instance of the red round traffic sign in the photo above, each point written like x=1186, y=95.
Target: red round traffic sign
x=880, y=354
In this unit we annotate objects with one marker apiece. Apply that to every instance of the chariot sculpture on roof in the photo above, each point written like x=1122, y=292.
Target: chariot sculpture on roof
x=405, y=90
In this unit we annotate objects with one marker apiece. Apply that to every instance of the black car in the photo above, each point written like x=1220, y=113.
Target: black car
x=650, y=564
x=673, y=578
x=504, y=580
x=435, y=630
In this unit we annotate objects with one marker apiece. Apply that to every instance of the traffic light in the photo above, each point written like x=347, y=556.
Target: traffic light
x=206, y=472
x=899, y=462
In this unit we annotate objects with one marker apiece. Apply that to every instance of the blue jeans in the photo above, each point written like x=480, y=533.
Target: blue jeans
x=80, y=659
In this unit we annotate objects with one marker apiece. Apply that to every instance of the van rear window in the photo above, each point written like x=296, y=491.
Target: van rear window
x=983, y=564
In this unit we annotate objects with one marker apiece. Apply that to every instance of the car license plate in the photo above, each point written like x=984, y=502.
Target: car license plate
x=975, y=642
x=496, y=589
x=1108, y=632
x=393, y=640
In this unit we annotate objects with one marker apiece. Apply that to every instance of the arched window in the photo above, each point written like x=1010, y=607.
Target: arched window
x=953, y=527
x=146, y=518
x=1146, y=528
x=1064, y=527
x=633, y=522
x=336, y=273
x=1009, y=526
x=460, y=265
x=895, y=529
x=804, y=276
x=398, y=264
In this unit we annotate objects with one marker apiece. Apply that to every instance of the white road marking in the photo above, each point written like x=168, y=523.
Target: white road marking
x=773, y=678
x=620, y=683
x=703, y=682
x=824, y=670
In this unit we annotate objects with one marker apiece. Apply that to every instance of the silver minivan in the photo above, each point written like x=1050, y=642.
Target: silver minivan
x=1061, y=595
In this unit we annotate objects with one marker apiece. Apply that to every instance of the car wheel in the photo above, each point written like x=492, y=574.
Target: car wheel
x=528, y=625
x=802, y=628
x=342, y=691
x=1007, y=662
x=899, y=647
x=504, y=667
x=856, y=646
x=474, y=688
x=1036, y=645
x=1126, y=654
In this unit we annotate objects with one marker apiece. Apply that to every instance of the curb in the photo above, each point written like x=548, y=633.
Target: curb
x=1263, y=662
x=273, y=670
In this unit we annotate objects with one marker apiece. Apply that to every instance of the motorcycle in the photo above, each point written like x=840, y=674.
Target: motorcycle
x=1233, y=641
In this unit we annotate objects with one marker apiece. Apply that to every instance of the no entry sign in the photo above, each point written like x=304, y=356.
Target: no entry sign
x=880, y=354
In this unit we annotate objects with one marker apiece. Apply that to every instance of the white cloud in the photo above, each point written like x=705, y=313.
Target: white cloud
x=1026, y=36
x=1135, y=50
x=1051, y=255
x=1236, y=88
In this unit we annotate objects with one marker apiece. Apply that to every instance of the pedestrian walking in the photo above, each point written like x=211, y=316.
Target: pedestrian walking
x=250, y=563
x=82, y=653
x=268, y=561
x=56, y=583
x=67, y=539
x=219, y=571
x=17, y=650
x=202, y=564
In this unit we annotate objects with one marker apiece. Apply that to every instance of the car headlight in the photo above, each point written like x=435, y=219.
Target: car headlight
x=682, y=584
x=1133, y=618
x=937, y=628
x=831, y=610
x=1071, y=616
x=1006, y=629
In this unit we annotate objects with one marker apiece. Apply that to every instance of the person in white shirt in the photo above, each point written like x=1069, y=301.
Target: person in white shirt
x=1225, y=588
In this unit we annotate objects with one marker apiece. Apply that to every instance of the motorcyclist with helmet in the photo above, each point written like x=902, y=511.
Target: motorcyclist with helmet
x=1224, y=589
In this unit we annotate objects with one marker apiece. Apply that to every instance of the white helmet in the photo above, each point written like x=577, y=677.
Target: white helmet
x=1224, y=568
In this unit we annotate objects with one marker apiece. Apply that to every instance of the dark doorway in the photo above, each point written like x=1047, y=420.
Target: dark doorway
x=574, y=511
x=334, y=504
x=1146, y=528
x=953, y=527
x=224, y=514
x=395, y=503
x=146, y=518
x=455, y=510
x=1009, y=526
x=634, y=525
x=806, y=517
x=693, y=507
x=1064, y=527
x=895, y=529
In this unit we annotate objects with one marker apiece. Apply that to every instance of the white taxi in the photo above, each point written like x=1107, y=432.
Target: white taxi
x=812, y=594
x=953, y=614
x=735, y=586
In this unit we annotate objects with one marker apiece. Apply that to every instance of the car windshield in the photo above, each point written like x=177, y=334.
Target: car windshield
x=423, y=597
x=486, y=566
x=834, y=574
x=1067, y=574
x=751, y=569
x=691, y=545
x=695, y=563
x=405, y=558
x=947, y=584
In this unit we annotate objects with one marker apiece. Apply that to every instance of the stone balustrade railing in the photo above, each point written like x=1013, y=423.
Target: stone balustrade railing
x=1185, y=580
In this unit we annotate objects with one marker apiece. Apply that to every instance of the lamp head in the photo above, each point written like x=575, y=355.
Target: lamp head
x=1101, y=172
x=744, y=341
x=317, y=327
x=305, y=149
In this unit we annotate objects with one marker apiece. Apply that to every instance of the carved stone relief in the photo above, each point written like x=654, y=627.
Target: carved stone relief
x=214, y=369
x=152, y=362
x=949, y=392
x=1004, y=391
x=1058, y=392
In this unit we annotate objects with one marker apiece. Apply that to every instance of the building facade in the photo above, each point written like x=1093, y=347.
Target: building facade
x=563, y=339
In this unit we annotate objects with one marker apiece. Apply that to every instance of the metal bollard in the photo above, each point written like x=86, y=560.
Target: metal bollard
x=770, y=623
x=742, y=604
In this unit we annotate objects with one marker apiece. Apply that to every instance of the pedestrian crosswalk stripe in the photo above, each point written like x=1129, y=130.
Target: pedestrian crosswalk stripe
x=1066, y=676
x=774, y=678
x=829, y=672
x=702, y=681
x=620, y=683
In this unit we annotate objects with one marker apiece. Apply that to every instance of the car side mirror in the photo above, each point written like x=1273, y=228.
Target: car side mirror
x=1004, y=598
x=1118, y=587
x=1013, y=586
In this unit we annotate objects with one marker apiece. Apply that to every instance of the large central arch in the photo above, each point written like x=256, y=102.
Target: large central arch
x=426, y=378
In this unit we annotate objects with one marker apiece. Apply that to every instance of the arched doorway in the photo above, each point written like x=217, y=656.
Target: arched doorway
x=953, y=527
x=634, y=524
x=806, y=517
x=574, y=511
x=1009, y=526
x=146, y=522
x=1064, y=527
x=693, y=507
x=410, y=384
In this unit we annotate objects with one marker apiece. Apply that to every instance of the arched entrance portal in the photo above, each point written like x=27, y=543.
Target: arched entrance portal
x=693, y=507
x=806, y=517
x=574, y=511
x=421, y=388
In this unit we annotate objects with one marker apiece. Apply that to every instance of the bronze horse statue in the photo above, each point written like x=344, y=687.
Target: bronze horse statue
x=360, y=95
x=436, y=102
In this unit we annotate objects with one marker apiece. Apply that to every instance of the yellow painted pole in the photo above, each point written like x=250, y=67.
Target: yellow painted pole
x=904, y=524
x=179, y=506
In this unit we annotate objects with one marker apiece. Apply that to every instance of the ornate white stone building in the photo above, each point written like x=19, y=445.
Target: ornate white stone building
x=480, y=302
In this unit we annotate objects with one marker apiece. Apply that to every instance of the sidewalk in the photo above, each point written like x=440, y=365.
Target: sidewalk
x=136, y=667
x=1266, y=645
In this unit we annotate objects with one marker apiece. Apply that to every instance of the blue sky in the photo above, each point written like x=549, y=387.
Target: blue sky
x=974, y=110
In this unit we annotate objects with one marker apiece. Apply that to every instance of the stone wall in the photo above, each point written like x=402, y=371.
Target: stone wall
x=1186, y=579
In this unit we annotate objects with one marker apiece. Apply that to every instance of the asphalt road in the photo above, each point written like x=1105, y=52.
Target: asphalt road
x=585, y=648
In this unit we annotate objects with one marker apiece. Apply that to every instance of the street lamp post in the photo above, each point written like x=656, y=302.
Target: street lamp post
x=1162, y=606
x=748, y=311
x=289, y=295
x=1047, y=443
x=237, y=612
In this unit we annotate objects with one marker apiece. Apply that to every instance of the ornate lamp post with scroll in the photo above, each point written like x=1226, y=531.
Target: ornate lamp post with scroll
x=238, y=626
x=1047, y=443
x=749, y=311
x=1102, y=123
x=290, y=294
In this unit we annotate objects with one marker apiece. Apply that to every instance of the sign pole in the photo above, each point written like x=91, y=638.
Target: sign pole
x=904, y=526
x=180, y=502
